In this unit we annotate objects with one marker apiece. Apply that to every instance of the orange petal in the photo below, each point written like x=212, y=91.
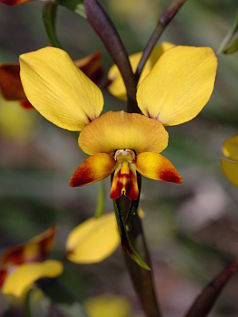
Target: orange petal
x=124, y=183
x=14, y=2
x=93, y=169
x=122, y=130
x=91, y=65
x=10, y=83
x=158, y=167
x=34, y=250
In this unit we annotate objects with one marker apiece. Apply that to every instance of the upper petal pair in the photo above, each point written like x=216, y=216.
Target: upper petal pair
x=174, y=91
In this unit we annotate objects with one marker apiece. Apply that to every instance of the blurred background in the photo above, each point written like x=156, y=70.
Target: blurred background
x=191, y=229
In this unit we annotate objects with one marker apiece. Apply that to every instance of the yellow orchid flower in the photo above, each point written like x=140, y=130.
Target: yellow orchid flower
x=175, y=91
x=23, y=265
x=93, y=240
x=230, y=163
x=116, y=84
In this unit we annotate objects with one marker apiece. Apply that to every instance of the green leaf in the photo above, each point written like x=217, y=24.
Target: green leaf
x=232, y=48
x=125, y=238
x=230, y=43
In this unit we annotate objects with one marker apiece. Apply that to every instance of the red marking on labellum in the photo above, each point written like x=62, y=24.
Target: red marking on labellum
x=124, y=184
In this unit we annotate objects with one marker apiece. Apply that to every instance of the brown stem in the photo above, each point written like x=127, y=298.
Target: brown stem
x=105, y=29
x=142, y=278
x=166, y=17
x=206, y=300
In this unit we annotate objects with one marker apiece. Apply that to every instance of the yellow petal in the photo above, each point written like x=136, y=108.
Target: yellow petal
x=158, y=167
x=179, y=86
x=230, y=148
x=230, y=169
x=117, y=87
x=93, y=169
x=108, y=306
x=25, y=275
x=121, y=130
x=93, y=240
x=15, y=122
x=61, y=92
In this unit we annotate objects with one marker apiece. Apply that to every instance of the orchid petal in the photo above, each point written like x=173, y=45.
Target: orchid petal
x=93, y=169
x=61, y=92
x=179, y=85
x=26, y=274
x=121, y=130
x=157, y=167
x=93, y=240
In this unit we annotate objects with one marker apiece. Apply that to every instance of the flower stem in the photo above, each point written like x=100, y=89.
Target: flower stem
x=166, y=17
x=27, y=306
x=142, y=278
x=49, y=19
x=105, y=29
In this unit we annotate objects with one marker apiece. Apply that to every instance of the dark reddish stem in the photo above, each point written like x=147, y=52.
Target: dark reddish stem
x=166, y=17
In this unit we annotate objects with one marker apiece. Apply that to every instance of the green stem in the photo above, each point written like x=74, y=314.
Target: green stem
x=142, y=278
x=228, y=38
x=49, y=19
x=27, y=306
x=166, y=17
x=100, y=200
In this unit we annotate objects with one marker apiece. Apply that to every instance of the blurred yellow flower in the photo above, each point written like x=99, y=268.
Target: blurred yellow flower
x=93, y=240
x=230, y=163
x=174, y=91
x=15, y=122
x=108, y=306
x=23, y=265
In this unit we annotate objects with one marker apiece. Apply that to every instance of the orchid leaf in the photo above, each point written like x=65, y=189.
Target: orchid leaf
x=230, y=43
x=126, y=243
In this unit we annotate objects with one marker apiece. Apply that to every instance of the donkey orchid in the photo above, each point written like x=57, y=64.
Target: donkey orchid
x=175, y=91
